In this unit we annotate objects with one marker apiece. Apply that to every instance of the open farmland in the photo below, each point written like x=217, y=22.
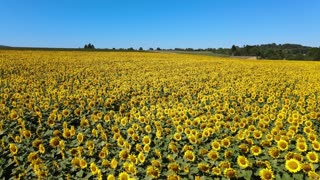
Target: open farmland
x=122, y=115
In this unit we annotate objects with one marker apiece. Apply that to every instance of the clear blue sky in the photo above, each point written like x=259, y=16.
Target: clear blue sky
x=161, y=23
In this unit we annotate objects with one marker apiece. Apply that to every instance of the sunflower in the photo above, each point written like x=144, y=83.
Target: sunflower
x=132, y=158
x=213, y=155
x=156, y=163
x=124, y=176
x=274, y=152
x=132, y=169
x=113, y=163
x=42, y=150
x=301, y=146
x=224, y=164
x=225, y=142
x=76, y=162
x=27, y=134
x=306, y=167
x=266, y=174
x=312, y=137
x=148, y=128
x=173, y=177
x=313, y=175
x=257, y=134
x=94, y=169
x=215, y=145
x=243, y=162
x=175, y=167
x=255, y=150
x=80, y=137
x=83, y=163
x=123, y=154
x=192, y=139
x=54, y=142
x=56, y=133
x=141, y=157
x=84, y=122
x=102, y=154
x=216, y=171
x=146, y=148
x=111, y=177
x=316, y=145
x=18, y=139
x=66, y=133
x=177, y=136
x=153, y=172
x=204, y=167
x=293, y=165
x=312, y=157
x=244, y=148
x=146, y=140
x=282, y=145
x=13, y=148
x=230, y=173
x=189, y=155
x=65, y=112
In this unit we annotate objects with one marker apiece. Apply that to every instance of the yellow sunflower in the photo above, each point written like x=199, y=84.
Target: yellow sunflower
x=293, y=165
x=213, y=155
x=94, y=169
x=230, y=173
x=54, y=142
x=301, y=146
x=216, y=171
x=255, y=150
x=189, y=155
x=313, y=175
x=243, y=162
x=153, y=172
x=175, y=167
x=13, y=149
x=312, y=157
x=266, y=174
x=282, y=145
x=124, y=176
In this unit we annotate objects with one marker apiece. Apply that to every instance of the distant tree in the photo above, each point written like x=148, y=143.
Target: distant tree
x=140, y=49
x=150, y=49
x=89, y=46
x=233, y=50
x=130, y=49
x=158, y=49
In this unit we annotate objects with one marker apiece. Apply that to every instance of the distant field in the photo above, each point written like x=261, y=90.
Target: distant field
x=138, y=115
x=207, y=53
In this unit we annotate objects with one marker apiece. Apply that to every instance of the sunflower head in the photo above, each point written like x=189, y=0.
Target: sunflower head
x=213, y=155
x=293, y=165
x=255, y=150
x=13, y=149
x=266, y=174
x=189, y=155
x=282, y=145
x=230, y=173
x=313, y=157
x=175, y=167
x=153, y=172
x=243, y=162
x=301, y=146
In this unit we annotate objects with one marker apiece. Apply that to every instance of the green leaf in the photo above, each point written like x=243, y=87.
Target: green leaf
x=298, y=176
x=286, y=176
x=80, y=173
x=247, y=174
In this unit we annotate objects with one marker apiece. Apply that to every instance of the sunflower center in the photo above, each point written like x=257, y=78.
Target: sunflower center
x=293, y=165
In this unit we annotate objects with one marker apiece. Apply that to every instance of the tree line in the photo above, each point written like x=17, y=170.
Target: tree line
x=278, y=51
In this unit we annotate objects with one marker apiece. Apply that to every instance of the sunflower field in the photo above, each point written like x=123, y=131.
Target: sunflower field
x=140, y=115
